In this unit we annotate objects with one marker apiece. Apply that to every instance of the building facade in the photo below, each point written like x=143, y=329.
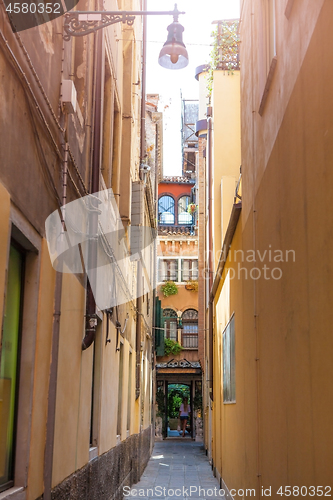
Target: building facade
x=179, y=368
x=271, y=364
x=218, y=131
x=76, y=415
x=177, y=260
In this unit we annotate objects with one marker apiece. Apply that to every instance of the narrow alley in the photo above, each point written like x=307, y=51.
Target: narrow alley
x=166, y=264
x=178, y=470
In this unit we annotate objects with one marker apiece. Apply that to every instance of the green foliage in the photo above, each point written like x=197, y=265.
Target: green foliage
x=192, y=208
x=225, y=48
x=174, y=402
x=172, y=347
x=197, y=401
x=175, y=398
x=214, y=58
x=169, y=288
x=160, y=402
x=176, y=394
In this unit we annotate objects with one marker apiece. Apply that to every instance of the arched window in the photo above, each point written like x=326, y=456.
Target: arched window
x=170, y=323
x=184, y=218
x=166, y=210
x=190, y=329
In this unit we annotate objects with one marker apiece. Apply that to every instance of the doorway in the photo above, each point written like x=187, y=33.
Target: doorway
x=176, y=394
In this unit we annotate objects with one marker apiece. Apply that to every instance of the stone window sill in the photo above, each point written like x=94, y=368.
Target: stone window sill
x=16, y=493
x=93, y=453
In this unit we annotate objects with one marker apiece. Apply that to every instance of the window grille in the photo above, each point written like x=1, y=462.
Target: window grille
x=170, y=324
x=166, y=210
x=184, y=218
x=190, y=329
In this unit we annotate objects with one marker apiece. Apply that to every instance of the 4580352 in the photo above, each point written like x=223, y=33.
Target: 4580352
x=303, y=491
x=34, y=8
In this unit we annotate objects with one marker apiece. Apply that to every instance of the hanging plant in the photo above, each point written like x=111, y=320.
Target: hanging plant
x=169, y=288
x=192, y=285
x=192, y=208
x=172, y=347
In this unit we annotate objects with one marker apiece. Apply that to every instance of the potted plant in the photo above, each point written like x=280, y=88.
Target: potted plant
x=192, y=285
x=169, y=288
x=192, y=208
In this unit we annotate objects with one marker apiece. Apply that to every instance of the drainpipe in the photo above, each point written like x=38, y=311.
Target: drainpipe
x=50, y=425
x=210, y=248
x=52, y=392
x=91, y=317
x=142, y=155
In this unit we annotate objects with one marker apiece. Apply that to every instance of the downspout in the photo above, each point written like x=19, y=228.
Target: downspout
x=210, y=249
x=255, y=305
x=50, y=425
x=142, y=155
x=91, y=317
x=52, y=390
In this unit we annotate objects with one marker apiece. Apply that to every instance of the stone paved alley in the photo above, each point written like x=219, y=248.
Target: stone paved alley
x=177, y=470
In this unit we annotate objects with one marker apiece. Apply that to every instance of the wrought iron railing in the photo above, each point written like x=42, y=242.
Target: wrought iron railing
x=228, y=45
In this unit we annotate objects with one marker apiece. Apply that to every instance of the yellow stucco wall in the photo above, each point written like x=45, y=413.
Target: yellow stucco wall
x=226, y=150
x=73, y=385
x=41, y=376
x=279, y=431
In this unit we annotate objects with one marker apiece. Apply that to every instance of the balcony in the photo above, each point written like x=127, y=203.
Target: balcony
x=167, y=229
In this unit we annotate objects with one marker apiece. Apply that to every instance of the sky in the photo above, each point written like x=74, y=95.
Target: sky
x=171, y=84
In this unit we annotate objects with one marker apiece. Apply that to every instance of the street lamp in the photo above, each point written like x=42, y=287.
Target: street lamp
x=173, y=54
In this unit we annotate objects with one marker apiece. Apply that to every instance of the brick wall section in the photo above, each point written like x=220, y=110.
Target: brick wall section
x=202, y=245
x=104, y=477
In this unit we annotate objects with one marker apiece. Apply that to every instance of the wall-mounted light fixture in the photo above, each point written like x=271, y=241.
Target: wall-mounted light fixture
x=173, y=54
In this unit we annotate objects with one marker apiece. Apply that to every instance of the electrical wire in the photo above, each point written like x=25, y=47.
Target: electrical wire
x=39, y=83
x=45, y=168
x=27, y=86
x=77, y=170
x=24, y=79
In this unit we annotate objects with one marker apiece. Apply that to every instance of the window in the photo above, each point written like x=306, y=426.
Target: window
x=229, y=373
x=170, y=324
x=190, y=329
x=184, y=218
x=189, y=161
x=189, y=269
x=10, y=361
x=166, y=210
x=168, y=270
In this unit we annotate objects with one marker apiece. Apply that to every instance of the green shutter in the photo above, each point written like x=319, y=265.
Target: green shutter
x=159, y=328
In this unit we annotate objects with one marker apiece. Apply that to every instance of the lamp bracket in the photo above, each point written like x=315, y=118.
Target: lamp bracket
x=80, y=23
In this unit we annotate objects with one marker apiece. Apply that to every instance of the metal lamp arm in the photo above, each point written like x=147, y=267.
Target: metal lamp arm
x=80, y=23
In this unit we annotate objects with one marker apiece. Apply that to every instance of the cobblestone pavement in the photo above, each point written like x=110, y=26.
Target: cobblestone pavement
x=177, y=470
